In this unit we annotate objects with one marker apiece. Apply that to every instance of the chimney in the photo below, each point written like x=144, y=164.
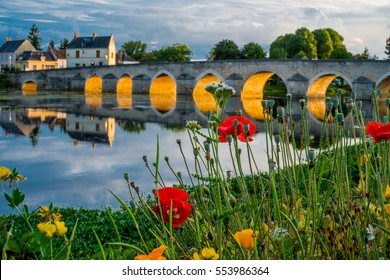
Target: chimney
x=6, y=39
x=76, y=35
x=119, y=56
x=16, y=38
x=94, y=35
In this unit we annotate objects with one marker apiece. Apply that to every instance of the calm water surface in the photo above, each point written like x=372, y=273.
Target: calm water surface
x=73, y=149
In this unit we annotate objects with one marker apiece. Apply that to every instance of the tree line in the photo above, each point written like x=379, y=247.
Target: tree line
x=323, y=43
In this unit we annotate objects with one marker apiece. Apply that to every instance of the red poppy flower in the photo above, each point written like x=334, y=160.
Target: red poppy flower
x=227, y=128
x=378, y=131
x=175, y=198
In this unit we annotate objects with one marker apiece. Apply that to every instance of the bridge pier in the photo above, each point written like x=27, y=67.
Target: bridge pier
x=363, y=88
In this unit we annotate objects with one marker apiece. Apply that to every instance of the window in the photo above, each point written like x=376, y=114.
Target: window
x=97, y=53
x=77, y=54
x=77, y=126
x=97, y=127
x=112, y=55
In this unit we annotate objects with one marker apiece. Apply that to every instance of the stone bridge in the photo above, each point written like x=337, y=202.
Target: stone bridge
x=301, y=77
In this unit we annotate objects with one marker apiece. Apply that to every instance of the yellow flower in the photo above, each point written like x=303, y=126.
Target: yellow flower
x=4, y=173
x=43, y=211
x=156, y=254
x=61, y=228
x=47, y=228
x=387, y=193
x=206, y=254
x=387, y=209
x=246, y=238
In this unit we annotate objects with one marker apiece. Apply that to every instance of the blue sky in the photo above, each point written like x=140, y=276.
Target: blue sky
x=199, y=24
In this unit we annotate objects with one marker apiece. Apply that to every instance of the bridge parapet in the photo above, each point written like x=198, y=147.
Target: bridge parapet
x=298, y=75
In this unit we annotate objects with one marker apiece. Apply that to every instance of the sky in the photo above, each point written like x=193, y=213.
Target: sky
x=200, y=24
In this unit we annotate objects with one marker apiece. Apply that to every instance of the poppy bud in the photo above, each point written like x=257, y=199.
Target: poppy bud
x=235, y=123
x=145, y=158
x=311, y=154
x=232, y=201
x=302, y=102
x=229, y=138
x=166, y=158
x=377, y=92
x=288, y=96
x=178, y=141
x=339, y=117
x=126, y=176
x=277, y=138
x=280, y=111
x=339, y=91
x=271, y=103
x=264, y=103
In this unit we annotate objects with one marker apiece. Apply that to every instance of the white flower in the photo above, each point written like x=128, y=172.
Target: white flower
x=371, y=232
x=280, y=233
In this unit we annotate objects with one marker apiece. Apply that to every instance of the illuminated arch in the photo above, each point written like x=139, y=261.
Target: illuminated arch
x=163, y=92
x=383, y=84
x=29, y=88
x=124, y=90
x=94, y=84
x=252, y=94
x=317, y=92
x=204, y=100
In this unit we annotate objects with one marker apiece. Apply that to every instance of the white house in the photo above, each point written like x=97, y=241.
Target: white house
x=91, y=51
x=11, y=50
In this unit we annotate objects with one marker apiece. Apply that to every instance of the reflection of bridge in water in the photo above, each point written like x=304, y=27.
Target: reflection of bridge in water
x=92, y=117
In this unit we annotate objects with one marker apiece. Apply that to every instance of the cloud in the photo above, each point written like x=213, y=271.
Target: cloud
x=199, y=24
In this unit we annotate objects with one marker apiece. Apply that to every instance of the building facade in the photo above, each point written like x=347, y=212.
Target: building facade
x=11, y=50
x=91, y=51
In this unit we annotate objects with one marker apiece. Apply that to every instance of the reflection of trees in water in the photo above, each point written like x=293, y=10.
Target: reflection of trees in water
x=34, y=136
x=174, y=127
x=131, y=126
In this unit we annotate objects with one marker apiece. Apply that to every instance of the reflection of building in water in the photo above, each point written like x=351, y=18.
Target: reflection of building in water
x=16, y=123
x=91, y=128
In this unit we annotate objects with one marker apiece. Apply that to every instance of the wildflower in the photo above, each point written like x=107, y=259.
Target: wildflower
x=387, y=209
x=227, y=127
x=193, y=125
x=378, y=131
x=48, y=228
x=246, y=238
x=371, y=232
x=173, y=199
x=280, y=233
x=387, y=192
x=156, y=254
x=206, y=254
x=61, y=228
x=4, y=173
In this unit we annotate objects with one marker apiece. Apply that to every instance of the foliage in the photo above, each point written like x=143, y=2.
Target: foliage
x=252, y=51
x=176, y=52
x=5, y=82
x=364, y=55
x=387, y=48
x=135, y=49
x=224, y=50
x=64, y=44
x=324, y=43
x=34, y=38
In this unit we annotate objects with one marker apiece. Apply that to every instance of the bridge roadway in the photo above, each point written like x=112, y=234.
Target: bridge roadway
x=301, y=77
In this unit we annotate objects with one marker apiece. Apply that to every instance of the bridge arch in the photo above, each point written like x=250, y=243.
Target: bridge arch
x=30, y=85
x=253, y=93
x=163, y=92
x=94, y=84
x=316, y=92
x=124, y=91
x=204, y=101
x=383, y=84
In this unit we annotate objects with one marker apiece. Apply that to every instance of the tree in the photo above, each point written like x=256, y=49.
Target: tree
x=176, y=52
x=51, y=45
x=324, y=43
x=135, y=49
x=34, y=38
x=304, y=44
x=278, y=48
x=252, y=51
x=64, y=44
x=339, y=49
x=364, y=55
x=223, y=50
x=387, y=48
